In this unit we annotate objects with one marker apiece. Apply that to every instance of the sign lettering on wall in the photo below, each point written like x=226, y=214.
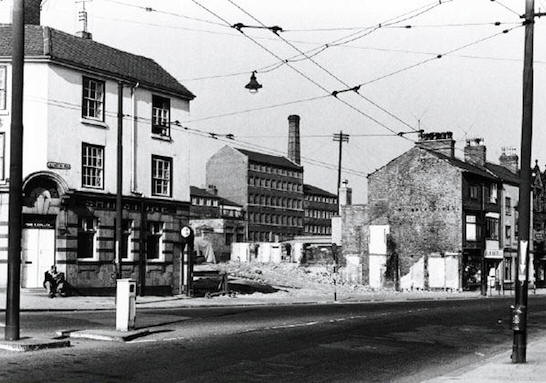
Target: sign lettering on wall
x=58, y=165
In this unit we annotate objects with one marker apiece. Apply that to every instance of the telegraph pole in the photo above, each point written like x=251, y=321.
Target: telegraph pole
x=519, y=310
x=119, y=182
x=341, y=138
x=15, y=173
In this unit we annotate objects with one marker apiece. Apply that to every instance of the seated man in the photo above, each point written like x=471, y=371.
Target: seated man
x=54, y=282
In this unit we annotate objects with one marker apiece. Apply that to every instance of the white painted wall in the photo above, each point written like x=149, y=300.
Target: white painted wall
x=54, y=131
x=378, y=239
x=378, y=265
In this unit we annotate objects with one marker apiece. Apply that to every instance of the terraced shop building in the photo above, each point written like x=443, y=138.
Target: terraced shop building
x=70, y=118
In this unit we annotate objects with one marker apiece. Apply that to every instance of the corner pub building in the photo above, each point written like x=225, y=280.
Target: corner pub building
x=69, y=163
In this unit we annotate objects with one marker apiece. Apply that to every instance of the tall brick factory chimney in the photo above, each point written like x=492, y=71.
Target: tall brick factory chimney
x=509, y=159
x=441, y=142
x=294, y=138
x=474, y=151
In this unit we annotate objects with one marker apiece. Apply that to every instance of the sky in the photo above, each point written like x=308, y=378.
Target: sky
x=474, y=89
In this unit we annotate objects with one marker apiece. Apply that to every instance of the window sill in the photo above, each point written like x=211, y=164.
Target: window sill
x=88, y=260
x=161, y=137
x=4, y=112
x=100, y=124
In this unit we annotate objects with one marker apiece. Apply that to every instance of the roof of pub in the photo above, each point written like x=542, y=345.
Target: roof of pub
x=42, y=42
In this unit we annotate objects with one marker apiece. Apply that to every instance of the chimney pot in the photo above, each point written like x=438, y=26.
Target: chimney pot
x=441, y=142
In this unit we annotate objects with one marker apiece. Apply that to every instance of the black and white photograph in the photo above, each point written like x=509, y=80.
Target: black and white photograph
x=272, y=191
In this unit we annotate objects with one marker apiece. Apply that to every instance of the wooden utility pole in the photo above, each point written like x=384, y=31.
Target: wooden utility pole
x=519, y=310
x=15, y=173
x=341, y=138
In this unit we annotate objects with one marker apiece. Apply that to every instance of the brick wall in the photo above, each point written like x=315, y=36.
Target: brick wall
x=227, y=169
x=420, y=195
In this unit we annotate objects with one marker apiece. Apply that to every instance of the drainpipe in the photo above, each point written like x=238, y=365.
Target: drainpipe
x=134, y=184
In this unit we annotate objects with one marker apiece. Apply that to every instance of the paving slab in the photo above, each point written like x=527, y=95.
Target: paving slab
x=108, y=335
x=33, y=344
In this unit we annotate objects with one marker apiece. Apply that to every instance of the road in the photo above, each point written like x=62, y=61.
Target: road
x=373, y=342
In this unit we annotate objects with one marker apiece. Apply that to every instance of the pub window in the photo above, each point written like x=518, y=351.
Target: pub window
x=92, y=166
x=161, y=116
x=93, y=99
x=126, y=236
x=154, y=240
x=162, y=176
x=87, y=228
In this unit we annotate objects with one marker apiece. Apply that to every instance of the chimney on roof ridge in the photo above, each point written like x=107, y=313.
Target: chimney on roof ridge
x=475, y=151
x=441, y=142
x=82, y=18
x=294, y=138
x=509, y=159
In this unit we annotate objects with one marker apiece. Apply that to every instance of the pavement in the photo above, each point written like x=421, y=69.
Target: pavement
x=500, y=368
x=495, y=369
x=37, y=299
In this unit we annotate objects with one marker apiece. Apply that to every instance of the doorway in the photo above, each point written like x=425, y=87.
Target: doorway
x=38, y=254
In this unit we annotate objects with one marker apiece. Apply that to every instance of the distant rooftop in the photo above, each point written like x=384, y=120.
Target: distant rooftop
x=200, y=192
x=270, y=159
x=313, y=190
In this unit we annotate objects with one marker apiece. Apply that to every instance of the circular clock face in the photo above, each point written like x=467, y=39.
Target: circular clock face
x=185, y=232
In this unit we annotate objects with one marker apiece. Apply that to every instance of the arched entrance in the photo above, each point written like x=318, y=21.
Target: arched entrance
x=42, y=194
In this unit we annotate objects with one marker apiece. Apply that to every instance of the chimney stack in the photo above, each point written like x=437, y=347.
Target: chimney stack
x=294, y=138
x=441, y=142
x=509, y=159
x=474, y=151
x=345, y=194
x=82, y=18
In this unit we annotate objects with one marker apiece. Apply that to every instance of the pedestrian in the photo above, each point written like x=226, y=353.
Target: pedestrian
x=54, y=282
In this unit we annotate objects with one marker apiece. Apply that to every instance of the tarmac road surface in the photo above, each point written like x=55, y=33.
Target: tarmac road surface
x=371, y=342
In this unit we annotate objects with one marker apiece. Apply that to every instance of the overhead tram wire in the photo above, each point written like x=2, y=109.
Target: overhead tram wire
x=437, y=57
x=363, y=32
x=150, y=9
x=303, y=74
x=390, y=74
x=356, y=90
x=507, y=8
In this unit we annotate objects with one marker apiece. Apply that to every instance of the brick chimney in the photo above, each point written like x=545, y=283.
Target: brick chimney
x=212, y=189
x=345, y=194
x=474, y=151
x=441, y=142
x=32, y=11
x=294, y=138
x=509, y=159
